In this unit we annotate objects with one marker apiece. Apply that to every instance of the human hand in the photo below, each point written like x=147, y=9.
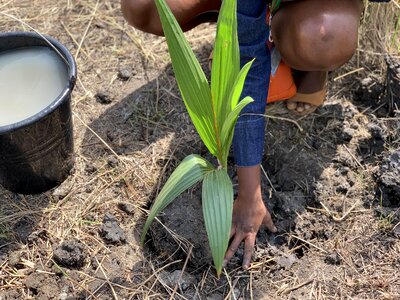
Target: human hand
x=249, y=212
x=248, y=215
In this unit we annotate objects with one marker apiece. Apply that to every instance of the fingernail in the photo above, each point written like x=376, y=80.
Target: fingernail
x=274, y=229
x=224, y=263
x=245, y=267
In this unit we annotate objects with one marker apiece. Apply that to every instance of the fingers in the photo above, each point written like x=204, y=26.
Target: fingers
x=232, y=248
x=267, y=221
x=233, y=230
x=248, y=250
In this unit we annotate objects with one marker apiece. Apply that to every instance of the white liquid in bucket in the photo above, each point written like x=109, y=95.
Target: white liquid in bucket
x=30, y=79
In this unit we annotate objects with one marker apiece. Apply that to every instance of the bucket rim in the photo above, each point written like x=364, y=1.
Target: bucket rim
x=63, y=96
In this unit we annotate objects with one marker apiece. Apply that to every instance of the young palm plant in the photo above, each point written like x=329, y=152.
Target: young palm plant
x=214, y=110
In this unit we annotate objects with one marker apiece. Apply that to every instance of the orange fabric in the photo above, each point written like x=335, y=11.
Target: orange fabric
x=281, y=86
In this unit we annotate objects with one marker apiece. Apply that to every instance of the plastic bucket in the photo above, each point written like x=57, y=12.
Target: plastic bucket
x=36, y=154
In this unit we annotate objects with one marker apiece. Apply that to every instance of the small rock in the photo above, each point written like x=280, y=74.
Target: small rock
x=333, y=259
x=14, y=260
x=70, y=254
x=127, y=208
x=125, y=72
x=111, y=231
x=103, y=97
x=170, y=279
x=367, y=81
x=63, y=189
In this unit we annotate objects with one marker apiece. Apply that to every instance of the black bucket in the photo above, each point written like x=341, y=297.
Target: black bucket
x=36, y=154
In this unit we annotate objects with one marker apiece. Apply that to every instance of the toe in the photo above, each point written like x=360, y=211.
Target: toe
x=291, y=105
x=300, y=107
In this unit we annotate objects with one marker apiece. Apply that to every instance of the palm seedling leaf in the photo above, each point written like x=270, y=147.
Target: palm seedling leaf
x=225, y=65
x=217, y=197
x=229, y=125
x=235, y=107
x=190, y=77
x=189, y=172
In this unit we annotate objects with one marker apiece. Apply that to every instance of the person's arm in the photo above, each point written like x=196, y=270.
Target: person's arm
x=249, y=211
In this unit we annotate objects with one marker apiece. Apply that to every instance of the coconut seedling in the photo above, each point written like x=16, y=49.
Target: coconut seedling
x=214, y=109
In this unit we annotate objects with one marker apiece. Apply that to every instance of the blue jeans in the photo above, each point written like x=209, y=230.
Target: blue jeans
x=253, y=32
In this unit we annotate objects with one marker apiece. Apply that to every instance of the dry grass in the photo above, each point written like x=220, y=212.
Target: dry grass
x=381, y=28
x=124, y=152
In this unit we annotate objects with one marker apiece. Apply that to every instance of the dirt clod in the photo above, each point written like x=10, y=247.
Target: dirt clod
x=333, y=259
x=127, y=208
x=63, y=189
x=14, y=260
x=23, y=229
x=125, y=72
x=42, y=286
x=70, y=254
x=388, y=190
x=111, y=231
x=370, y=91
x=112, y=161
x=393, y=86
x=103, y=97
